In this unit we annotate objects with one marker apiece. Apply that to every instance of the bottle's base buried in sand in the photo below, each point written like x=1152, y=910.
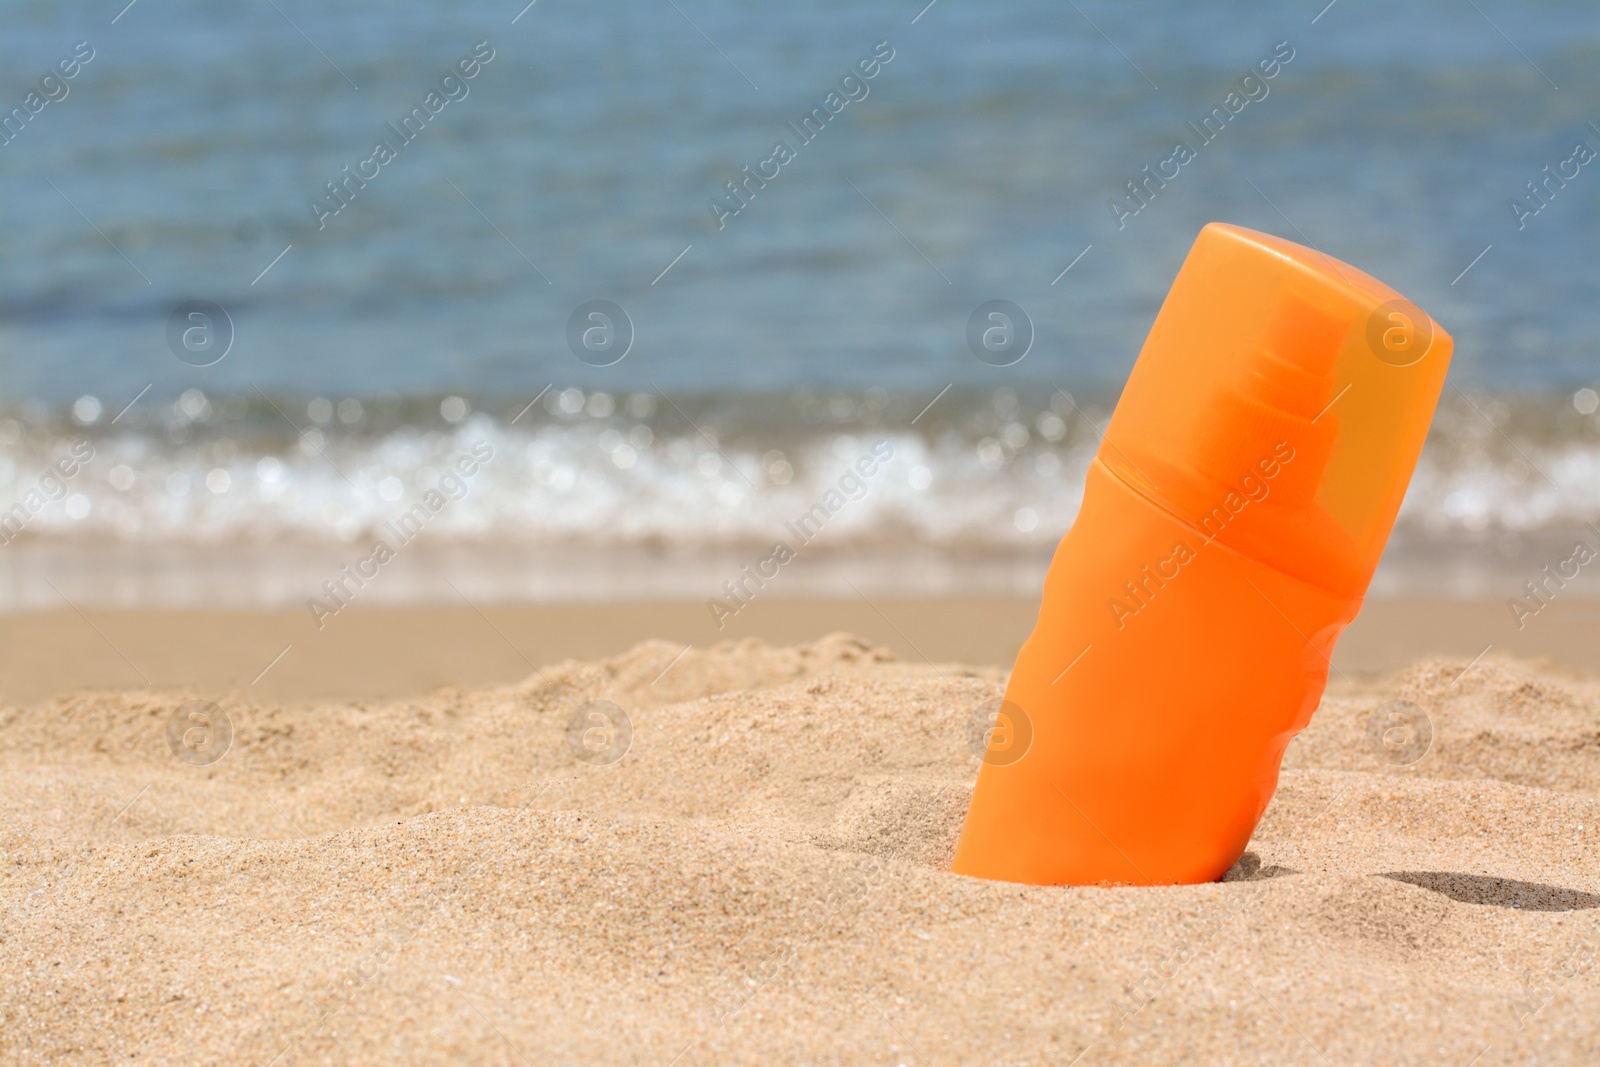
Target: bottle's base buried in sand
x=1163, y=616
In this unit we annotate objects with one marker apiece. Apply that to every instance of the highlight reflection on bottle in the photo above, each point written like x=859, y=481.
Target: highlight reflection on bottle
x=1230, y=525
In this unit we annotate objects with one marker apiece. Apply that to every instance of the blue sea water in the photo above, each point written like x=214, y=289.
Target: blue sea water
x=580, y=164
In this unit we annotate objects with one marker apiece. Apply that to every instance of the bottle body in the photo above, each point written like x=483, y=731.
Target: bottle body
x=1231, y=522
x=1160, y=691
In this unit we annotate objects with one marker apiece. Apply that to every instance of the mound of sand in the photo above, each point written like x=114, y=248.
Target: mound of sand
x=758, y=876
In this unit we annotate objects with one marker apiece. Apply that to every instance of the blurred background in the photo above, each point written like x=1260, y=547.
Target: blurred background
x=349, y=360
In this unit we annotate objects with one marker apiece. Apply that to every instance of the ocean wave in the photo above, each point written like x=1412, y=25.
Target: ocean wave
x=977, y=470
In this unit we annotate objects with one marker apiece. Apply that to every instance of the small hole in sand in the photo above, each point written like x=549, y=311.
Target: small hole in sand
x=1249, y=868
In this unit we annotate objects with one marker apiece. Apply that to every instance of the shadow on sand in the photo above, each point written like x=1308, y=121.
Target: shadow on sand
x=1499, y=892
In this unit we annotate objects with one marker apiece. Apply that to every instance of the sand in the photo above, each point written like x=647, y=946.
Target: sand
x=759, y=878
x=371, y=653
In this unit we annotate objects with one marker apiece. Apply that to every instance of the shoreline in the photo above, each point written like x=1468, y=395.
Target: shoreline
x=377, y=652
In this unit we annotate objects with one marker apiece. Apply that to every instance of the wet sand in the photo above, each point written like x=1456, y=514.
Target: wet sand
x=385, y=652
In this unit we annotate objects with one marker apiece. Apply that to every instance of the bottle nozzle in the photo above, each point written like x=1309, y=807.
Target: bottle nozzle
x=1292, y=369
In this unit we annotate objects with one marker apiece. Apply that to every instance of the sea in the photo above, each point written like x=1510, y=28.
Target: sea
x=274, y=341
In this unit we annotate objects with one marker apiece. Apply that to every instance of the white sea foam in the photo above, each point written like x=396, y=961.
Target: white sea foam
x=990, y=479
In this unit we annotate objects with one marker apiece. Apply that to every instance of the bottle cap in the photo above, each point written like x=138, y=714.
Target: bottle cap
x=1279, y=405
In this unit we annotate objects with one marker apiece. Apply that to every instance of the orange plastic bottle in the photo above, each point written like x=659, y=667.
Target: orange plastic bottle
x=1231, y=522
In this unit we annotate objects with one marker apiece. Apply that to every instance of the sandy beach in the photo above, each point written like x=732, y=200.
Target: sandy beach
x=517, y=519
x=754, y=872
x=404, y=651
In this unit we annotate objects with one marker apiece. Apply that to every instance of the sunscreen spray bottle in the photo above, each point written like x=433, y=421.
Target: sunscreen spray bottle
x=1231, y=521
